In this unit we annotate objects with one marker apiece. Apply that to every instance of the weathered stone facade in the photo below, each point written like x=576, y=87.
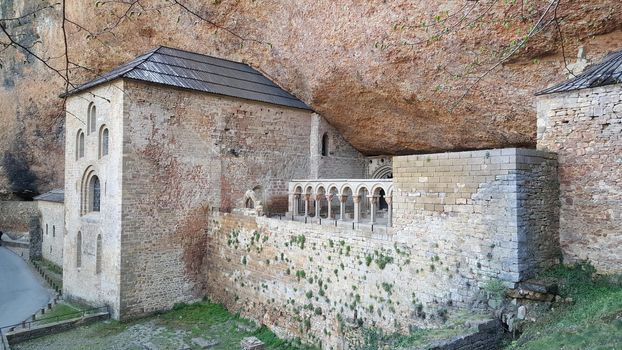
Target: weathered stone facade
x=585, y=129
x=52, y=222
x=498, y=208
x=174, y=154
x=81, y=278
x=460, y=221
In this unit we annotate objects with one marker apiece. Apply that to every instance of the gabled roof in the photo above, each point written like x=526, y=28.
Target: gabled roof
x=183, y=69
x=52, y=196
x=607, y=72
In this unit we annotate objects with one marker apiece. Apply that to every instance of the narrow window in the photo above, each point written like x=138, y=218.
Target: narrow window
x=94, y=192
x=46, y=229
x=98, y=256
x=92, y=119
x=81, y=145
x=79, y=249
x=325, y=144
x=103, y=142
x=53, y=231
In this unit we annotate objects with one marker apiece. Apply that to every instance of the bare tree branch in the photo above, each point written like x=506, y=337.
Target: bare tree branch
x=553, y=4
x=31, y=13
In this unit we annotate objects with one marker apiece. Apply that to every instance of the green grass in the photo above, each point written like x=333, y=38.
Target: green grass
x=594, y=321
x=60, y=312
x=209, y=320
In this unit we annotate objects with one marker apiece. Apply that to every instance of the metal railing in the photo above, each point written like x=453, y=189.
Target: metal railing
x=25, y=325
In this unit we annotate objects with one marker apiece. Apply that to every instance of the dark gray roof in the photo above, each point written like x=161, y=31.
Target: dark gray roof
x=199, y=72
x=607, y=72
x=52, y=196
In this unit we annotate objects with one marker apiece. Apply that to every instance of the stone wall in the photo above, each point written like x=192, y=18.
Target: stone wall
x=187, y=152
x=585, y=129
x=457, y=226
x=496, y=208
x=84, y=282
x=342, y=161
x=15, y=215
x=52, y=223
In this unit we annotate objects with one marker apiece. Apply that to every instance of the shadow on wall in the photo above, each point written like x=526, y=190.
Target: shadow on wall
x=22, y=180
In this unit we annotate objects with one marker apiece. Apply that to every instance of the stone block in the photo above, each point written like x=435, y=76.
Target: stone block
x=252, y=343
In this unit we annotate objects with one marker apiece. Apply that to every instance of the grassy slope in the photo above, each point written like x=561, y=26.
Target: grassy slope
x=594, y=321
x=214, y=321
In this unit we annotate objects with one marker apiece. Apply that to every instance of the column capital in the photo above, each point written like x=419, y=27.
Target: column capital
x=319, y=196
x=356, y=199
x=388, y=199
x=343, y=198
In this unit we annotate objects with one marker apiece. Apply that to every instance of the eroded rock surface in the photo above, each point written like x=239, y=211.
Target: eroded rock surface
x=388, y=74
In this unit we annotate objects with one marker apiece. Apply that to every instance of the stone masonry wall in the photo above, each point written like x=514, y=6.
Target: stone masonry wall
x=497, y=208
x=457, y=226
x=185, y=153
x=342, y=161
x=585, y=129
x=84, y=282
x=15, y=215
x=52, y=221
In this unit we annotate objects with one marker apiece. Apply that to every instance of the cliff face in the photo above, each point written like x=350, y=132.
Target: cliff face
x=389, y=75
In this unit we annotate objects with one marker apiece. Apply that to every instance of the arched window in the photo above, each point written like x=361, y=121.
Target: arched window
x=79, y=249
x=79, y=144
x=98, y=256
x=249, y=203
x=325, y=144
x=53, y=231
x=94, y=193
x=103, y=141
x=92, y=119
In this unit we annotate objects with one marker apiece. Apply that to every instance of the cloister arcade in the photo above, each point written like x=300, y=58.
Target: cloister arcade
x=361, y=201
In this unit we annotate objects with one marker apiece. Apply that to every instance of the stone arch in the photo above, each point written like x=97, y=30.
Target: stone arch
x=344, y=187
x=253, y=199
x=361, y=187
x=104, y=141
x=91, y=119
x=90, y=193
x=383, y=172
x=79, y=144
x=298, y=189
x=319, y=187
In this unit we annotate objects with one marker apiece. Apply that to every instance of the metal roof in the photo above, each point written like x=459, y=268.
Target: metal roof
x=194, y=71
x=52, y=196
x=607, y=72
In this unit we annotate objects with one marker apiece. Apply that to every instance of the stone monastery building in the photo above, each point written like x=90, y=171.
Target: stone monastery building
x=189, y=175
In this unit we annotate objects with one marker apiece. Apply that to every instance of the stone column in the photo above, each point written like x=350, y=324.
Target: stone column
x=372, y=208
x=318, y=201
x=389, y=200
x=342, y=206
x=357, y=208
x=330, y=204
x=291, y=204
x=295, y=208
x=307, y=198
